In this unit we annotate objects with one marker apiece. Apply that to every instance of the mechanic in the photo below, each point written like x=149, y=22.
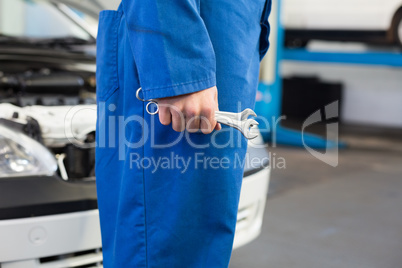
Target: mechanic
x=194, y=57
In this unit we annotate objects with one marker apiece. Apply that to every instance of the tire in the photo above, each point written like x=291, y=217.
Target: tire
x=397, y=28
x=399, y=32
x=296, y=43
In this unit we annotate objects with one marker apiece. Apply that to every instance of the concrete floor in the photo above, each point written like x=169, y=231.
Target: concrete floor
x=318, y=216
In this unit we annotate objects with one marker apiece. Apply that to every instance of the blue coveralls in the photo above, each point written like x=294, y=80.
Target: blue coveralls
x=155, y=215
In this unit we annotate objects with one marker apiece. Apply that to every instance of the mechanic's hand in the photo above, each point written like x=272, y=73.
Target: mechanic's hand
x=195, y=111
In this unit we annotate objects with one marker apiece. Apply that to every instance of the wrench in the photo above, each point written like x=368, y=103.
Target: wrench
x=238, y=121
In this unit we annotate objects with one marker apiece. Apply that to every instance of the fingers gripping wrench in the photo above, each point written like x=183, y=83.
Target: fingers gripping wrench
x=238, y=121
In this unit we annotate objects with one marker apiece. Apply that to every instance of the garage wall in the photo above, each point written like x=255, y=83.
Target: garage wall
x=110, y=4
x=372, y=96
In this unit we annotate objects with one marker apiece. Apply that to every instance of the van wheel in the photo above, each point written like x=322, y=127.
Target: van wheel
x=296, y=43
x=397, y=28
x=399, y=35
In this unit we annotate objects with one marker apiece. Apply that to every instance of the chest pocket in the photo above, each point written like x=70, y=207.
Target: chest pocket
x=265, y=29
x=106, y=54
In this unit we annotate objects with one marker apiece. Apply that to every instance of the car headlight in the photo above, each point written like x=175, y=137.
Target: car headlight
x=22, y=156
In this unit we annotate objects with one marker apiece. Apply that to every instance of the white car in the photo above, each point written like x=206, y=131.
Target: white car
x=48, y=204
x=343, y=20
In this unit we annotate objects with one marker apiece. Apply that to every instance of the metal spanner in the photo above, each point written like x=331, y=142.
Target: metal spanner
x=238, y=121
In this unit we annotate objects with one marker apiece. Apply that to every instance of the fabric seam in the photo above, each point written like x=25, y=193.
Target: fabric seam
x=108, y=93
x=143, y=189
x=180, y=84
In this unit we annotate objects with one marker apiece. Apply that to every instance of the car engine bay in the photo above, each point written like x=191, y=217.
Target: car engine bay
x=57, y=108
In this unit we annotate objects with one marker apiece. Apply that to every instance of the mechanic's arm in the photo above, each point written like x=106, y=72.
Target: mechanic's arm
x=175, y=61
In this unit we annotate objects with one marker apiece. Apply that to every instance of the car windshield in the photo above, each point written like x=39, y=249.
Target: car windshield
x=39, y=19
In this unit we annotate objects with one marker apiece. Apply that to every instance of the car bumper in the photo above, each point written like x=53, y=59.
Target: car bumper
x=26, y=241
x=30, y=239
x=251, y=207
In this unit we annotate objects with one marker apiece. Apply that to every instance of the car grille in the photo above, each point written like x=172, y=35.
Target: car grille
x=84, y=259
x=246, y=215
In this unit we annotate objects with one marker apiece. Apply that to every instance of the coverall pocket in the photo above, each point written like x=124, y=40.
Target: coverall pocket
x=265, y=29
x=106, y=54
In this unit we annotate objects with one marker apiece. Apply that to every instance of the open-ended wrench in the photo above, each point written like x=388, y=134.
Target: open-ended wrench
x=238, y=121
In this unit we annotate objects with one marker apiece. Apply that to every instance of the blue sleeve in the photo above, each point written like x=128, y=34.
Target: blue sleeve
x=171, y=47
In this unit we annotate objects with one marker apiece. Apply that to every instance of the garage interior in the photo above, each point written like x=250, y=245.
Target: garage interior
x=344, y=216
x=341, y=211
x=320, y=216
